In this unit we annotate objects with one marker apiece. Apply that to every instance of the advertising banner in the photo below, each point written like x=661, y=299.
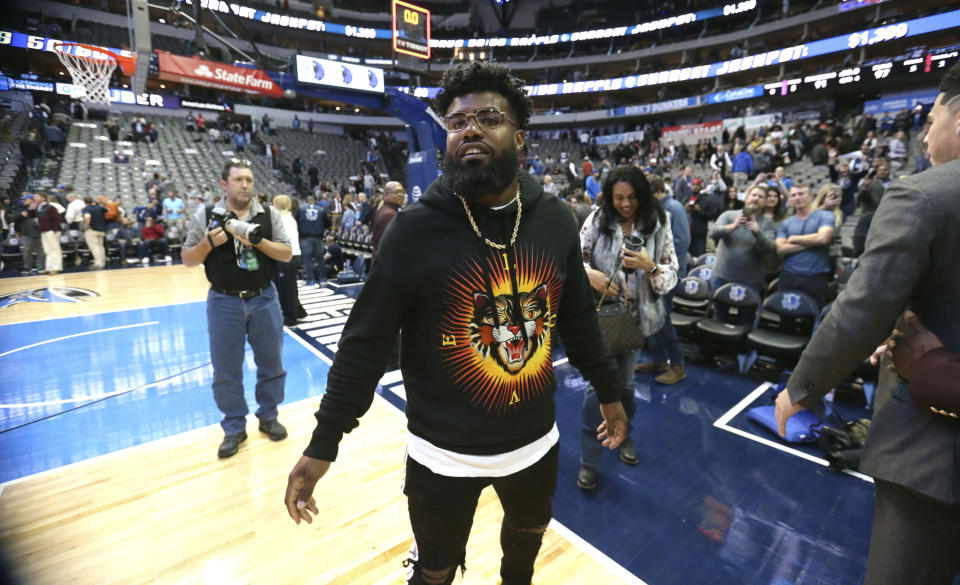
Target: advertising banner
x=694, y=130
x=194, y=71
x=900, y=101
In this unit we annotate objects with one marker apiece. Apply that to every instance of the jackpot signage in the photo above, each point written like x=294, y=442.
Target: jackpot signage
x=194, y=71
x=313, y=71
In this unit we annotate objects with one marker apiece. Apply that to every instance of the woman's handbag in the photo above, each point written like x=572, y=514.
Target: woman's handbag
x=618, y=326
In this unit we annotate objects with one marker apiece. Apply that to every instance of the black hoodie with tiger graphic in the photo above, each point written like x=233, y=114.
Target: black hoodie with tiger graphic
x=477, y=325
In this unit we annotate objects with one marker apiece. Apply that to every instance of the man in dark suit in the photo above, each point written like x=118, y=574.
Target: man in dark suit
x=911, y=258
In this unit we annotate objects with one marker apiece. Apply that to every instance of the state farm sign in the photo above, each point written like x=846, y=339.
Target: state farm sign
x=195, y=71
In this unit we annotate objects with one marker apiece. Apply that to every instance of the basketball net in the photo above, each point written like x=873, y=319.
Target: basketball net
x=91, y=72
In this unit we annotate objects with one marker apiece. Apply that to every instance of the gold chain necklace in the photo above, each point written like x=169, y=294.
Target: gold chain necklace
x=516, y=225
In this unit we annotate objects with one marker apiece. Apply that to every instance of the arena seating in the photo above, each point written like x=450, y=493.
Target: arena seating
x=187, y=158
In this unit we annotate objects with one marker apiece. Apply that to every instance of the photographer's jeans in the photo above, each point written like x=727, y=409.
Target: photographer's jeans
x=231, y=322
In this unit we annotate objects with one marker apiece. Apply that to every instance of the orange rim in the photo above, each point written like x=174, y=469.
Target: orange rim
x=126, y=63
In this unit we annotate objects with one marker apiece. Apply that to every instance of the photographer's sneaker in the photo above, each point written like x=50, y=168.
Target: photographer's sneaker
x=168, y=259
x=273, y=429
x=145, y=261
x=231, y=444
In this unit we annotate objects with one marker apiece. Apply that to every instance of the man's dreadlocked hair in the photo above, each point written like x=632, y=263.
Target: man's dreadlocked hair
x=479, y=76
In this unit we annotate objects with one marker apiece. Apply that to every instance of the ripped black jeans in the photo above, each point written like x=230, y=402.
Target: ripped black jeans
x=442, y=508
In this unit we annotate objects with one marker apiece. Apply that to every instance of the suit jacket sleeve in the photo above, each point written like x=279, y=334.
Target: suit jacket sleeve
x=897, y=256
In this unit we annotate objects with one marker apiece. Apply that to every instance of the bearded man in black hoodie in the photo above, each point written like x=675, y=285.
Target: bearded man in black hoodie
x=477, y=275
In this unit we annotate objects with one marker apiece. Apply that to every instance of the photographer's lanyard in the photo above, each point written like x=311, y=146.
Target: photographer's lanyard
x=246, y=257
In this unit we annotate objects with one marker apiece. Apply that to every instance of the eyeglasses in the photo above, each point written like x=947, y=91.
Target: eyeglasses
x=485, y=117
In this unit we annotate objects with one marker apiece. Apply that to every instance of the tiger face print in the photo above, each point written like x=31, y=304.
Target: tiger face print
x=510, y=328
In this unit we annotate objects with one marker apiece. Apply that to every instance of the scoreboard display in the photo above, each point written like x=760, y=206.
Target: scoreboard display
x=411, y=30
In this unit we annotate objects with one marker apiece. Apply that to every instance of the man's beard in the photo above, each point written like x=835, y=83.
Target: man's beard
x=477, y=180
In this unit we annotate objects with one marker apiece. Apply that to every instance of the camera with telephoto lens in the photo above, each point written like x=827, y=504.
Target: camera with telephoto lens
x=228, y=221
x=634, y=244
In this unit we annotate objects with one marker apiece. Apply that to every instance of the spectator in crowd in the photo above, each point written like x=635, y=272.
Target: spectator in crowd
x=333, y=258
x=394, y=197
x=335, y=209
x=74, y=213
x=593, y=185
x=95, y=224
x=312, y=222
x=639, y=275
x=847, y=180
x=716, y=186
x=153, y=241
x=703, y=208
x=296, y=123
x=113, y=128
x=48, y=222
x=781, y=180
x=682, y=189
x=112, y=213
x=774, y=207
x=25, y=223
x=731, y=200
x=55, y=136
x=720, y=160
x=173, y=208
x=201, y=123
x=803, y=241
x=742, y=168
x=744, y=238
x=873, y=185
x=581, y=206
x=286, y=278
x=664, y=345
x=139, y=128
x=364, y=211
x=349, y=218
x=897, y=151
x=536, y=167
x=549, y=187
x=32, y=150
x=127, y=236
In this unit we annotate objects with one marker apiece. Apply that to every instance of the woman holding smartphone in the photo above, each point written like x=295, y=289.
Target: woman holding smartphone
x=628, y=255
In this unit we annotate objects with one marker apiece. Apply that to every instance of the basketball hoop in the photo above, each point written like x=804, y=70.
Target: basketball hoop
x=91, y=67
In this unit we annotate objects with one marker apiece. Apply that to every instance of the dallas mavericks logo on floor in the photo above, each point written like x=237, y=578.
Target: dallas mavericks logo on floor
x=53, y=294
x=790, y=301
x=738, y=293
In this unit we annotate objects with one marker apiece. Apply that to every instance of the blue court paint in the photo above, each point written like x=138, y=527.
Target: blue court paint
x=115, y=380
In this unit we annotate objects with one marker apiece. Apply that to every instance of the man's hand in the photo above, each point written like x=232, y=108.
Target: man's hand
x=906, y=347
x=783, y=411
x=753, y=226
x=613, y=430
x=300, y=483
x=217, y=236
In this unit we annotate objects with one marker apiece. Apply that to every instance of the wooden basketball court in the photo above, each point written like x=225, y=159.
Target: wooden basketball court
x=170, y=512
